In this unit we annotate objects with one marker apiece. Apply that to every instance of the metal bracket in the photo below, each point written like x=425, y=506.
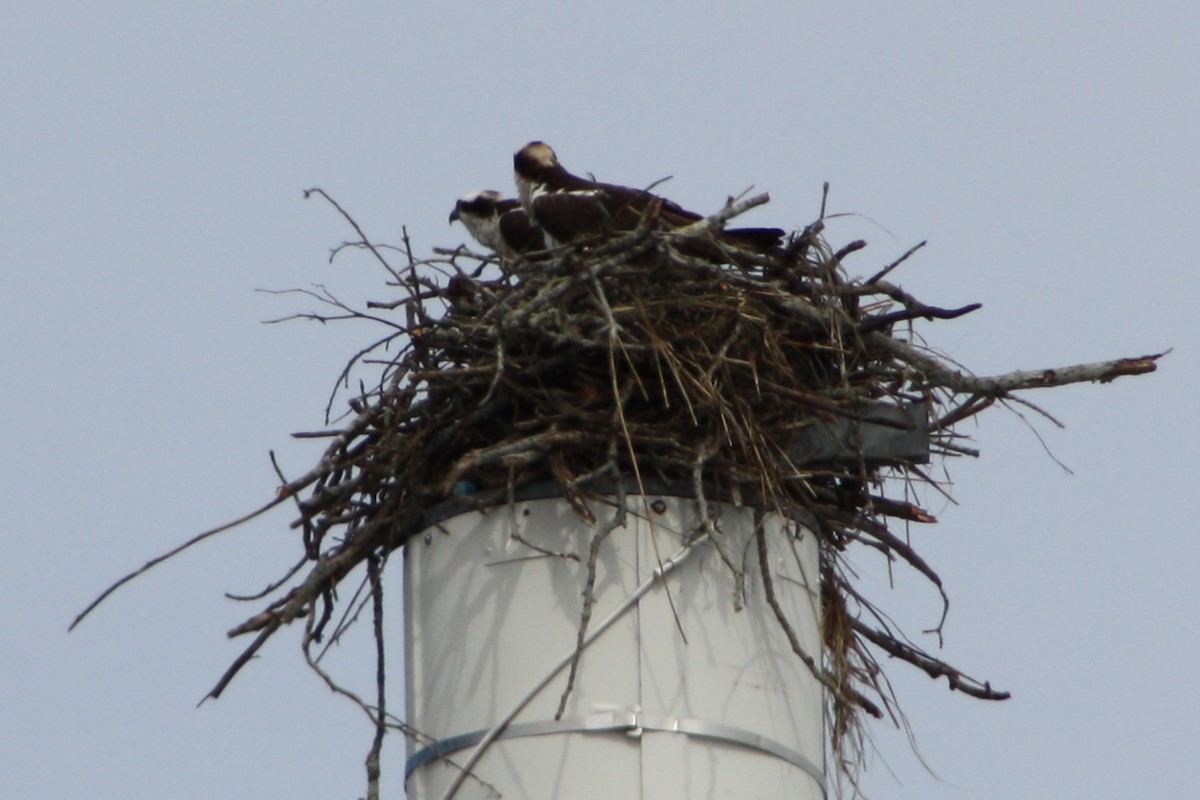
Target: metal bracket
x=879, y=433
x=631, y=723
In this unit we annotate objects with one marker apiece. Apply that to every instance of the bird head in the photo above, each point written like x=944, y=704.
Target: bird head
x=480, y=204
x=533, y=158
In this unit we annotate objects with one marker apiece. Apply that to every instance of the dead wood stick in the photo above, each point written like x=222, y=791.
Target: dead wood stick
x=933, y=667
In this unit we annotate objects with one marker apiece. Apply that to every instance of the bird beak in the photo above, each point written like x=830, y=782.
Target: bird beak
x=454, y=215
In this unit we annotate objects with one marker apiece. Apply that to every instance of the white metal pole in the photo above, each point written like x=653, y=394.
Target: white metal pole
x=491, y=620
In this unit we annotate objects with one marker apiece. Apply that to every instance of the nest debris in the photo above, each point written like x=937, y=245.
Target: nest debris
x=625, y=359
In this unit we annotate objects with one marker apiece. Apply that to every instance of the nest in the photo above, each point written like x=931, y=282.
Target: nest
x=629, y=360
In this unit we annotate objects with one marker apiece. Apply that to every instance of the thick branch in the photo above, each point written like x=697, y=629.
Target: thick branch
x=937, y=374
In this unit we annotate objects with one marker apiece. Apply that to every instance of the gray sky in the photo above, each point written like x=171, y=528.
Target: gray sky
x=153, y=162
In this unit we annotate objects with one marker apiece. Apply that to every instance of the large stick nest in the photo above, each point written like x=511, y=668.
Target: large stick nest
x=628, y=360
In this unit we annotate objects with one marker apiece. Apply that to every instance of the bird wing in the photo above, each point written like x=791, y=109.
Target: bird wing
x=519, y=233
x=571, y=216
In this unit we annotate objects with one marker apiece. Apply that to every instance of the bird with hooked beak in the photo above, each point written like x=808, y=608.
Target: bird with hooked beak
x=498, y=223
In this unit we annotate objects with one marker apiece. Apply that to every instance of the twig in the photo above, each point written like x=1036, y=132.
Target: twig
x=714, y=221
x=171, y=554
x=362, y=236
x=589, y=591
x=764, y=565
x=935, y=668
x=373, y=755
x=878, y=276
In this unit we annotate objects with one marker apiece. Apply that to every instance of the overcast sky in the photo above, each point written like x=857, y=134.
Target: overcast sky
x=153, y=160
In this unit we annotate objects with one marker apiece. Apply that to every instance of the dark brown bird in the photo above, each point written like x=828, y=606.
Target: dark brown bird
x=498, y=223
x=570, y=209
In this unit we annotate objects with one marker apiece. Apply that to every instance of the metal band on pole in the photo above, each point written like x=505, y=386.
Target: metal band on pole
x=629, y=722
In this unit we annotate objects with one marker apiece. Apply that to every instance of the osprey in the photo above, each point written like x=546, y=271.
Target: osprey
x=498, y=223
x=569, y=208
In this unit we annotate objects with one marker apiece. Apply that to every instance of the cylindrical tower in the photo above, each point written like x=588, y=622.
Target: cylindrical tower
x=493, y=605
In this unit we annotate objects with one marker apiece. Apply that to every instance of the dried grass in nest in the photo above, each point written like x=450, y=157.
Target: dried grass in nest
x=629, y=358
